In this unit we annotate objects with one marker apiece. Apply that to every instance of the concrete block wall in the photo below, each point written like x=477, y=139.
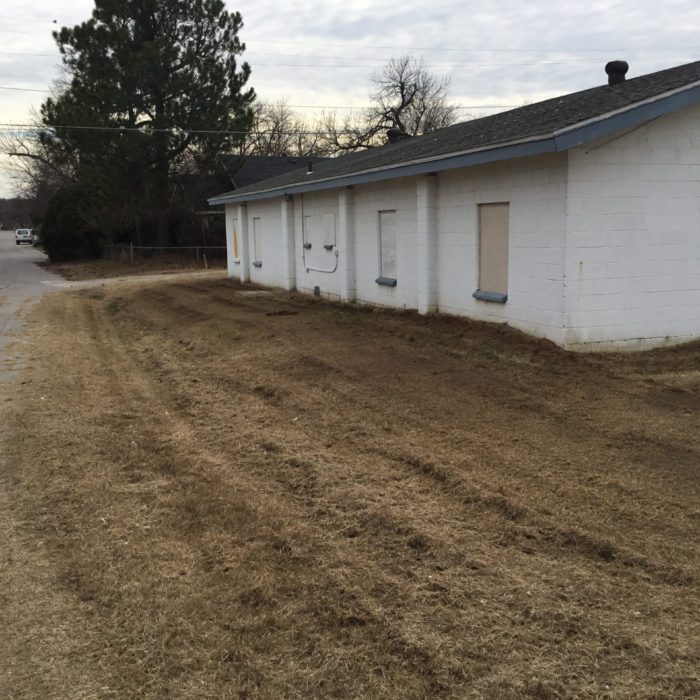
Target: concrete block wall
x=633, y=237
x=367, y=203
x=604, y=241
x=535, y=189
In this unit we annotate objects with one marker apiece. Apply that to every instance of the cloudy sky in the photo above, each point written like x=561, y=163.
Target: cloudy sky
x=319, y=55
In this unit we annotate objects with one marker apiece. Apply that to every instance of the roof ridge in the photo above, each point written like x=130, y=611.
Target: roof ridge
x=533, y=122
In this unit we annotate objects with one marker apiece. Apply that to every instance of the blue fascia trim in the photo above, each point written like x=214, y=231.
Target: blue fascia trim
x=495, y=297
x=386, y=281
x=628, y=119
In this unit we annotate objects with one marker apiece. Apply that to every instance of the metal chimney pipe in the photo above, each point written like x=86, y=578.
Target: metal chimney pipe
x=394, y=135
x=616, y=70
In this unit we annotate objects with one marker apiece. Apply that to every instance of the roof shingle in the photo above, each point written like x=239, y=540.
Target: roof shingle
x=528, y=122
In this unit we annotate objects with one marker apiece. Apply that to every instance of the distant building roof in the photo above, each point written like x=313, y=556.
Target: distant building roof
x=248, y=170
x=543, y=127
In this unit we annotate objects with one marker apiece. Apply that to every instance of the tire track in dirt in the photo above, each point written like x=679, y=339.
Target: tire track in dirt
x=413, y=651
x=497, y=501
x=307, y=368
x=310, y=515
x=111, y=353
x=578, y=542
x=380, y=533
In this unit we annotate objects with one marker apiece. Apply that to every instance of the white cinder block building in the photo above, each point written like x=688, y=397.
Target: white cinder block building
x=576, y=219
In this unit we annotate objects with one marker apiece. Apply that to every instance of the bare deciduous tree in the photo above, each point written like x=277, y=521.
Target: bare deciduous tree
x=406, y=96
x=33, y=169
x=278, y=131
x=353, y=133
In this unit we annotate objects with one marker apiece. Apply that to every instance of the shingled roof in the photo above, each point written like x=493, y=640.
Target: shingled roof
x=551, y=125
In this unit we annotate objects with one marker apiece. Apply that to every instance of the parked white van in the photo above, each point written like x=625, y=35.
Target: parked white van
x=23, y=235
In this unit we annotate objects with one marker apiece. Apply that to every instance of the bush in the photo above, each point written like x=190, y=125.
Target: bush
x=65, y=232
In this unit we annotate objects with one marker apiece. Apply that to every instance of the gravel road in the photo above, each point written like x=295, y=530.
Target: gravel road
x=22, y=281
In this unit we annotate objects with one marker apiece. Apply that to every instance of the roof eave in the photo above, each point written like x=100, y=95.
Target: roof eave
x=449, y=162
x=562, y=140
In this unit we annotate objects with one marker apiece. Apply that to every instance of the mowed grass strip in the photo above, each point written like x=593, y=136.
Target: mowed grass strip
x=123, y=266
x=251, y=494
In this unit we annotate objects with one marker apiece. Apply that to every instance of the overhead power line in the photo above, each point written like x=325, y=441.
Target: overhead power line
x=14, y=128
x=253, y=52
x=434, y=64
x=350, y=107
x=13, y=31
x=22, y=89
x=363, y=46
x=25, y=53
x=439, y=64
x=467, y=49
x=361, y=107
x=357, y=107
x=444, y=64
x=33, y=129
x=24, y=20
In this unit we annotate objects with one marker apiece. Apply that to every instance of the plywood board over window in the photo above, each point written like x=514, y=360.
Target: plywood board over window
x=234, y=238
x=319, y=234
x=329, y=237
x=493, y=252
x=320, y=231
x=257, y=242
x=387, y=248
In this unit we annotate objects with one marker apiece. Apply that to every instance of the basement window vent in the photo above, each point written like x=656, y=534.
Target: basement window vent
x=386, y=281
x=496, y=297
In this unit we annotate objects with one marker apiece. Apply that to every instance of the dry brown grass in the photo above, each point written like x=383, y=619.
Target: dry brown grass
x=246, y=496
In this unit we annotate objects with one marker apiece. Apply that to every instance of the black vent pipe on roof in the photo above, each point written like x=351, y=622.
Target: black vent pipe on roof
x=394, y=135
x=616, y=70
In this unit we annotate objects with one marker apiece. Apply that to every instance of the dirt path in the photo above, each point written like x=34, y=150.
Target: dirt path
x=248, y=495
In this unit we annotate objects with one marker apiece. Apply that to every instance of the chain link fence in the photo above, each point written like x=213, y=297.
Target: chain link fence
x=196, y=256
